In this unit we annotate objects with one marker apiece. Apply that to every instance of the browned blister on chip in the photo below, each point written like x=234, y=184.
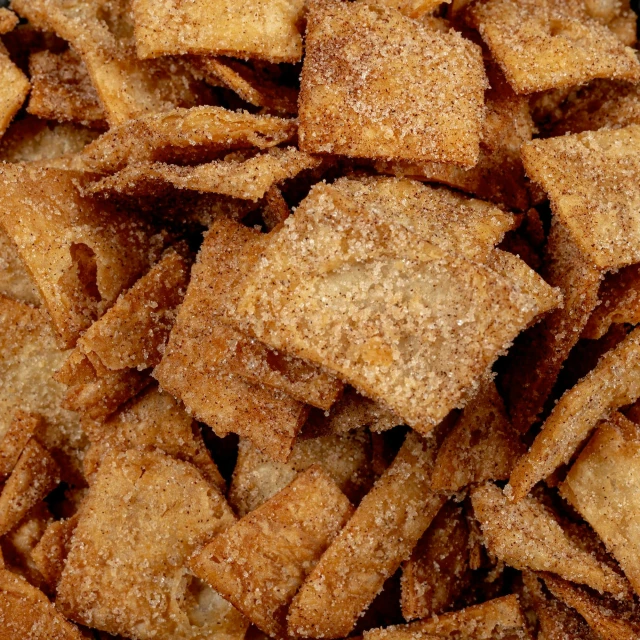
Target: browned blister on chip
x=381, y=534
x=144, y=516
x=527, y=535
x=50, y=553
x=259, y=563
x=377, y=84
x=612, y=384
x=15, y=87
x=542, y=44
x=23, y=426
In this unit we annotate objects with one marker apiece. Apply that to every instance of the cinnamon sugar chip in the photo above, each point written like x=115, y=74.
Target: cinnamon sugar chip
x=346, y=458
x=15, y=281
x=259, y=563
x=377, y=84
x=264, y=29
x=542, y=44
x=248, y=178
x=61, y=89
x=8, y=21
x=527, y=535
x=612, y=384
x=23, y=426
x=411, y=8
x=15, y=87
x=27, y=613
x=360, y=289
x=79, y=254
x=50, y=553
x=183, y=135
x=381, y=534
x=126, y=572
x=593, y=182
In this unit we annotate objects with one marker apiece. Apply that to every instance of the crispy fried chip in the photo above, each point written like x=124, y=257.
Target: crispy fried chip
x=50, y=553
x=61, y=89
x=346, y=458
x=604, y=486
x=482, y=445
x=144, y=516
x=15, y=281
x=26, y=612
x=542, y=44
x=80, y=255
x=527, y=535
x=612, y=384
x=360, y=289
x=8, y=21
x=275, y=210
x=376, y=84
x=381, y=534
x=153, y=420
x=23, y=426
x=593, y=182
x=438, y=569
x=411, y=8
x=15, y=87
x=259, y=563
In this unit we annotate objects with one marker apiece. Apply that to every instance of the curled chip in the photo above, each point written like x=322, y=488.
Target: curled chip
x=50, y=553
x=377, y=84
x=15, y=87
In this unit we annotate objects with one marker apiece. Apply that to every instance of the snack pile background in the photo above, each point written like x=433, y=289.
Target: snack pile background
x=318, y=320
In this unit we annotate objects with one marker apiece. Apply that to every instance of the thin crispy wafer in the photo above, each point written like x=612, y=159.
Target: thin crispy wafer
x=15, y=87
x=541, y=44
x=15, y=281
x=527, y=535
x=144, y=515
x=52, y=549
x=377, y=84
x=8, y=21
x=612, y=384
x=259, y=563
x=12, y=443
x=371, y=546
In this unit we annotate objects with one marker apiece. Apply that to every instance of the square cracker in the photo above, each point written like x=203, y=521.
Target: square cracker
x=144, y=516
x=593, y=182
x=366, y=292
x=377, y=84
x=545, y=44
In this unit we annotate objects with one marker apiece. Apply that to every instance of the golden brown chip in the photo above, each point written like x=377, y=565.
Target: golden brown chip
x=15, y=87
x=61, y=89
x=259, y=563
x=377, y=84
x=381, y=534
x=583, y=175
x=275, y=210
x=482, y=445
x=144, y=516
x=12, y=443
x=15, y=281
x=8, y=21
x=527, y=535
x=612, y=384
x=364, y=291
x=27, y=613
x=411, y=8
x=50, y=553
x=542, y=44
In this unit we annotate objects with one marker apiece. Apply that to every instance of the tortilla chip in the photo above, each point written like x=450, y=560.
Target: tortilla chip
x=543, y=45
x=27, y=613
x=482, y=445
x=61, y=89
x=371, y=546
x=144, y=516
x=8, y=21
x=12, y=443
x=15, y=281
x=346, y=458
x=376, y=84
x=356, y=288
x=15, y=87
x=612, y=384
x=527, y=535
x=50, y=553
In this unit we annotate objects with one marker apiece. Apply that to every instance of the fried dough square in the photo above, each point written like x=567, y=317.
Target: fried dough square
x=362, y=290
x=15, y=87
x=263, y=29
x=259, y=563
x=542, y=44
x=376, y=84
x=144, y=516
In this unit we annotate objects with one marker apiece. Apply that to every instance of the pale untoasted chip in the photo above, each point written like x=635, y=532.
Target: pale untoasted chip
x=27, y=613
x=582, y=175
x=371, y=546
x=8, y=21
x=259, y=563
x=15, y=281
x=15, y=87
x=604, y=486
x=377, y=84
x=153, y=420
x=12, y=443
x=144, y=516
x=410, y=8
x=527, y=535
x=80, y=255
x=541, y=44
x=52, y=549
x=364, y=291
x=482, y=445
x=346, y=458
x=61, y=89
x=438, y=569
x=613, y=383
